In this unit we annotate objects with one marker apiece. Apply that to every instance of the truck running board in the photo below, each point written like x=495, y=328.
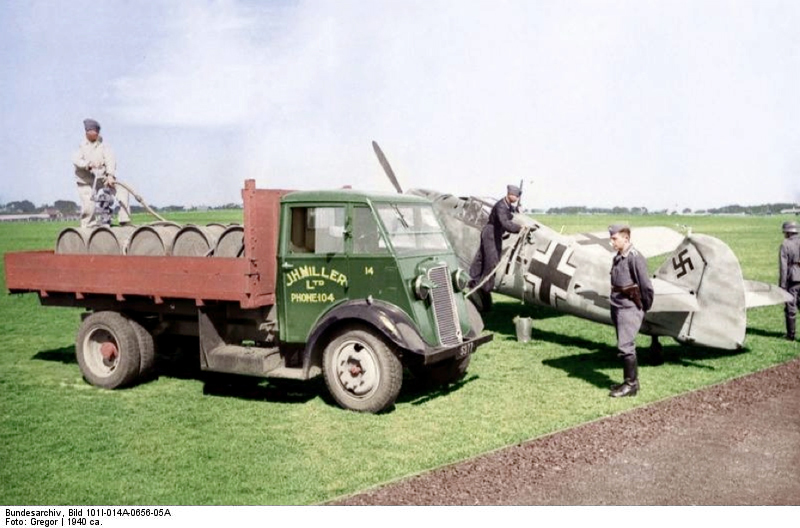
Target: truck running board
x=234, y=359
x=218, y=356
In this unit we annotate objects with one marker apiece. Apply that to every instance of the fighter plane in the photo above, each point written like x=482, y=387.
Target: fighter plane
x=701, y=297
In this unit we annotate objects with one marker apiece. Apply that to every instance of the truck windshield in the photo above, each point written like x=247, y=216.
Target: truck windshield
x=412, y=227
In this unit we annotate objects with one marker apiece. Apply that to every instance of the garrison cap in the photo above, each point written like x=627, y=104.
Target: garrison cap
x=91, y=124
x=513, y=190
x=616, y=228
x=790, y=227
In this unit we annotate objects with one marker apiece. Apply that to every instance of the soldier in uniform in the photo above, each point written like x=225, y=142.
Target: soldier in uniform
x=790, y=274
x=500, y=221
x=631, y=296
x=95, y=159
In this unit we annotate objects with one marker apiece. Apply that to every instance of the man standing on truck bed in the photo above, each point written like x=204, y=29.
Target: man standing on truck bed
x=95, y=159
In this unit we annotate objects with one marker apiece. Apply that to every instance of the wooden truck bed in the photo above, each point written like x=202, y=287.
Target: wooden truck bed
x=248, y=280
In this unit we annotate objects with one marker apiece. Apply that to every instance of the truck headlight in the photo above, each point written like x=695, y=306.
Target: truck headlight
x=460, y=280
x=422, y=287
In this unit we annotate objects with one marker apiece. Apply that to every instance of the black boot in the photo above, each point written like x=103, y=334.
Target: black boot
x=631, y=384
x=790, y=328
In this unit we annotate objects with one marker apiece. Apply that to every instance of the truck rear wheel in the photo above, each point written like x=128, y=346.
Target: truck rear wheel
x=108, y=350
x=147, y=348
x=361, y=373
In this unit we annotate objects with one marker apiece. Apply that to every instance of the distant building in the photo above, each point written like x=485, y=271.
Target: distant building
x=49, y=215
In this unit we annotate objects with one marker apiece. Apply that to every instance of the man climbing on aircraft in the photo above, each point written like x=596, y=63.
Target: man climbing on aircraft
x=500, y=222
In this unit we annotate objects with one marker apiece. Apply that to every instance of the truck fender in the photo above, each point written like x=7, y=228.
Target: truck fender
x=386, y=318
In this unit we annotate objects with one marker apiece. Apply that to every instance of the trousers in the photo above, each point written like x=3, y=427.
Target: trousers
x=627, y=322
x=87, y=204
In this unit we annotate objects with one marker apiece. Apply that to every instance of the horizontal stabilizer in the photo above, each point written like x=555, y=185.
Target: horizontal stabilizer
x=649, y=241
x=762, y=294
x=671, y=298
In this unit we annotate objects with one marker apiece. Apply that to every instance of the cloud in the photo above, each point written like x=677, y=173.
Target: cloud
x=654, y=104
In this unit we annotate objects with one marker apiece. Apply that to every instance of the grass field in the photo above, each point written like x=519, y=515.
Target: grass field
x=190, y=439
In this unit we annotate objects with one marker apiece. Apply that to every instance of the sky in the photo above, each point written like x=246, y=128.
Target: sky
x=658, y=104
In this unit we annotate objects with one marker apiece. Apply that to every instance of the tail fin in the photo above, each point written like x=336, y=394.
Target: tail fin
x=707, y=267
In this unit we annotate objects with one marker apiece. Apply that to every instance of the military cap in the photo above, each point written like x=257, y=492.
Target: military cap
x=513, y=190
x=616, y=228
x=91, y=124
x=790, y=227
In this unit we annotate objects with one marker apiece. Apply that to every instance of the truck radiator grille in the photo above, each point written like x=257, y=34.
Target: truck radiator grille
x=444, y=307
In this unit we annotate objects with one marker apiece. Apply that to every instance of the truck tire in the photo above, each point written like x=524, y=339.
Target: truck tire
x=147, y=347
x=361, y=372
x=108, y=350
x=442, y=373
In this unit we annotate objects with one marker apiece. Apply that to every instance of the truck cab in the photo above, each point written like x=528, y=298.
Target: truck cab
x=375, y=276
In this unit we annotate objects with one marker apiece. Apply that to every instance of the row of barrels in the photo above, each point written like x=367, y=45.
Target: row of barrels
x=156, y=239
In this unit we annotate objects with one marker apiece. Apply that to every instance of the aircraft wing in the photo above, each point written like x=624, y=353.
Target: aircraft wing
x=649, y=241
x=763, y=294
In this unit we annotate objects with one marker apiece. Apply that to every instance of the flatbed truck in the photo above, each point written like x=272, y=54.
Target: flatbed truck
x=350, y=285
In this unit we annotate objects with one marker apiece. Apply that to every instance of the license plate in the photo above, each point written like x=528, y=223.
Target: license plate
x=466, y=349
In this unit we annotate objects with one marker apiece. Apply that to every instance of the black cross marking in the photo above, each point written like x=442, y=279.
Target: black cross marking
x=592, y=240
x=549, y=273
x=682, y=263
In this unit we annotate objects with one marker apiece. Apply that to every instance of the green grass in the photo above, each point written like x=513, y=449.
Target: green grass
x=187, y=438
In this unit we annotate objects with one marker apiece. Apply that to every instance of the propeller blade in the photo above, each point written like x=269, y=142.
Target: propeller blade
x=386, y=167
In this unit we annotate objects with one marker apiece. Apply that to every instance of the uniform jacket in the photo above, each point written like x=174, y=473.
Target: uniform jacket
x=790, y=261
x=622, y=275
x=501, y=220
x=488, y=256
x=93, y=154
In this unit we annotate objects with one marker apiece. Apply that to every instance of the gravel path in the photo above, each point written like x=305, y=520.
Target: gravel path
x=737, y=443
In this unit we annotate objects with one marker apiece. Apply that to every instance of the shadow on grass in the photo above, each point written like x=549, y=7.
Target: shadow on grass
x=64, y=355
x=765, y=333
x=417, y=392
x=588, y=366
x=500, y=319
x=258, y=389
x=179, y=358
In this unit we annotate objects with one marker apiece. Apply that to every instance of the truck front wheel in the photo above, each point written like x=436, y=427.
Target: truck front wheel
x=361, y=373
x=108, y=351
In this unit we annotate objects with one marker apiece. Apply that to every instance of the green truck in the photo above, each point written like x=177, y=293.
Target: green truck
x=349, y=285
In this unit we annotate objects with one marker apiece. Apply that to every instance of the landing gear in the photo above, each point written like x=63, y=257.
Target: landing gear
x=656, y=356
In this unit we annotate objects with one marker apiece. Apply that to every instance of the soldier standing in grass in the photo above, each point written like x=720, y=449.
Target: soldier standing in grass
x=631, y=296
x=95, y=159
x=790, y=274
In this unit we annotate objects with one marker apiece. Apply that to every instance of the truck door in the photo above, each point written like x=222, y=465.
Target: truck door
x=313, y=267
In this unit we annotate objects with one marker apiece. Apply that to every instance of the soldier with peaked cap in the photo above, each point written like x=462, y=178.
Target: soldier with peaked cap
x=95, y=159
x=790, y=274
x=500, y=222
x=631, y=296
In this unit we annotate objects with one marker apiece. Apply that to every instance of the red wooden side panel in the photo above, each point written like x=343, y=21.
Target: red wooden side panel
x=197, y=278
x=250, y=280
